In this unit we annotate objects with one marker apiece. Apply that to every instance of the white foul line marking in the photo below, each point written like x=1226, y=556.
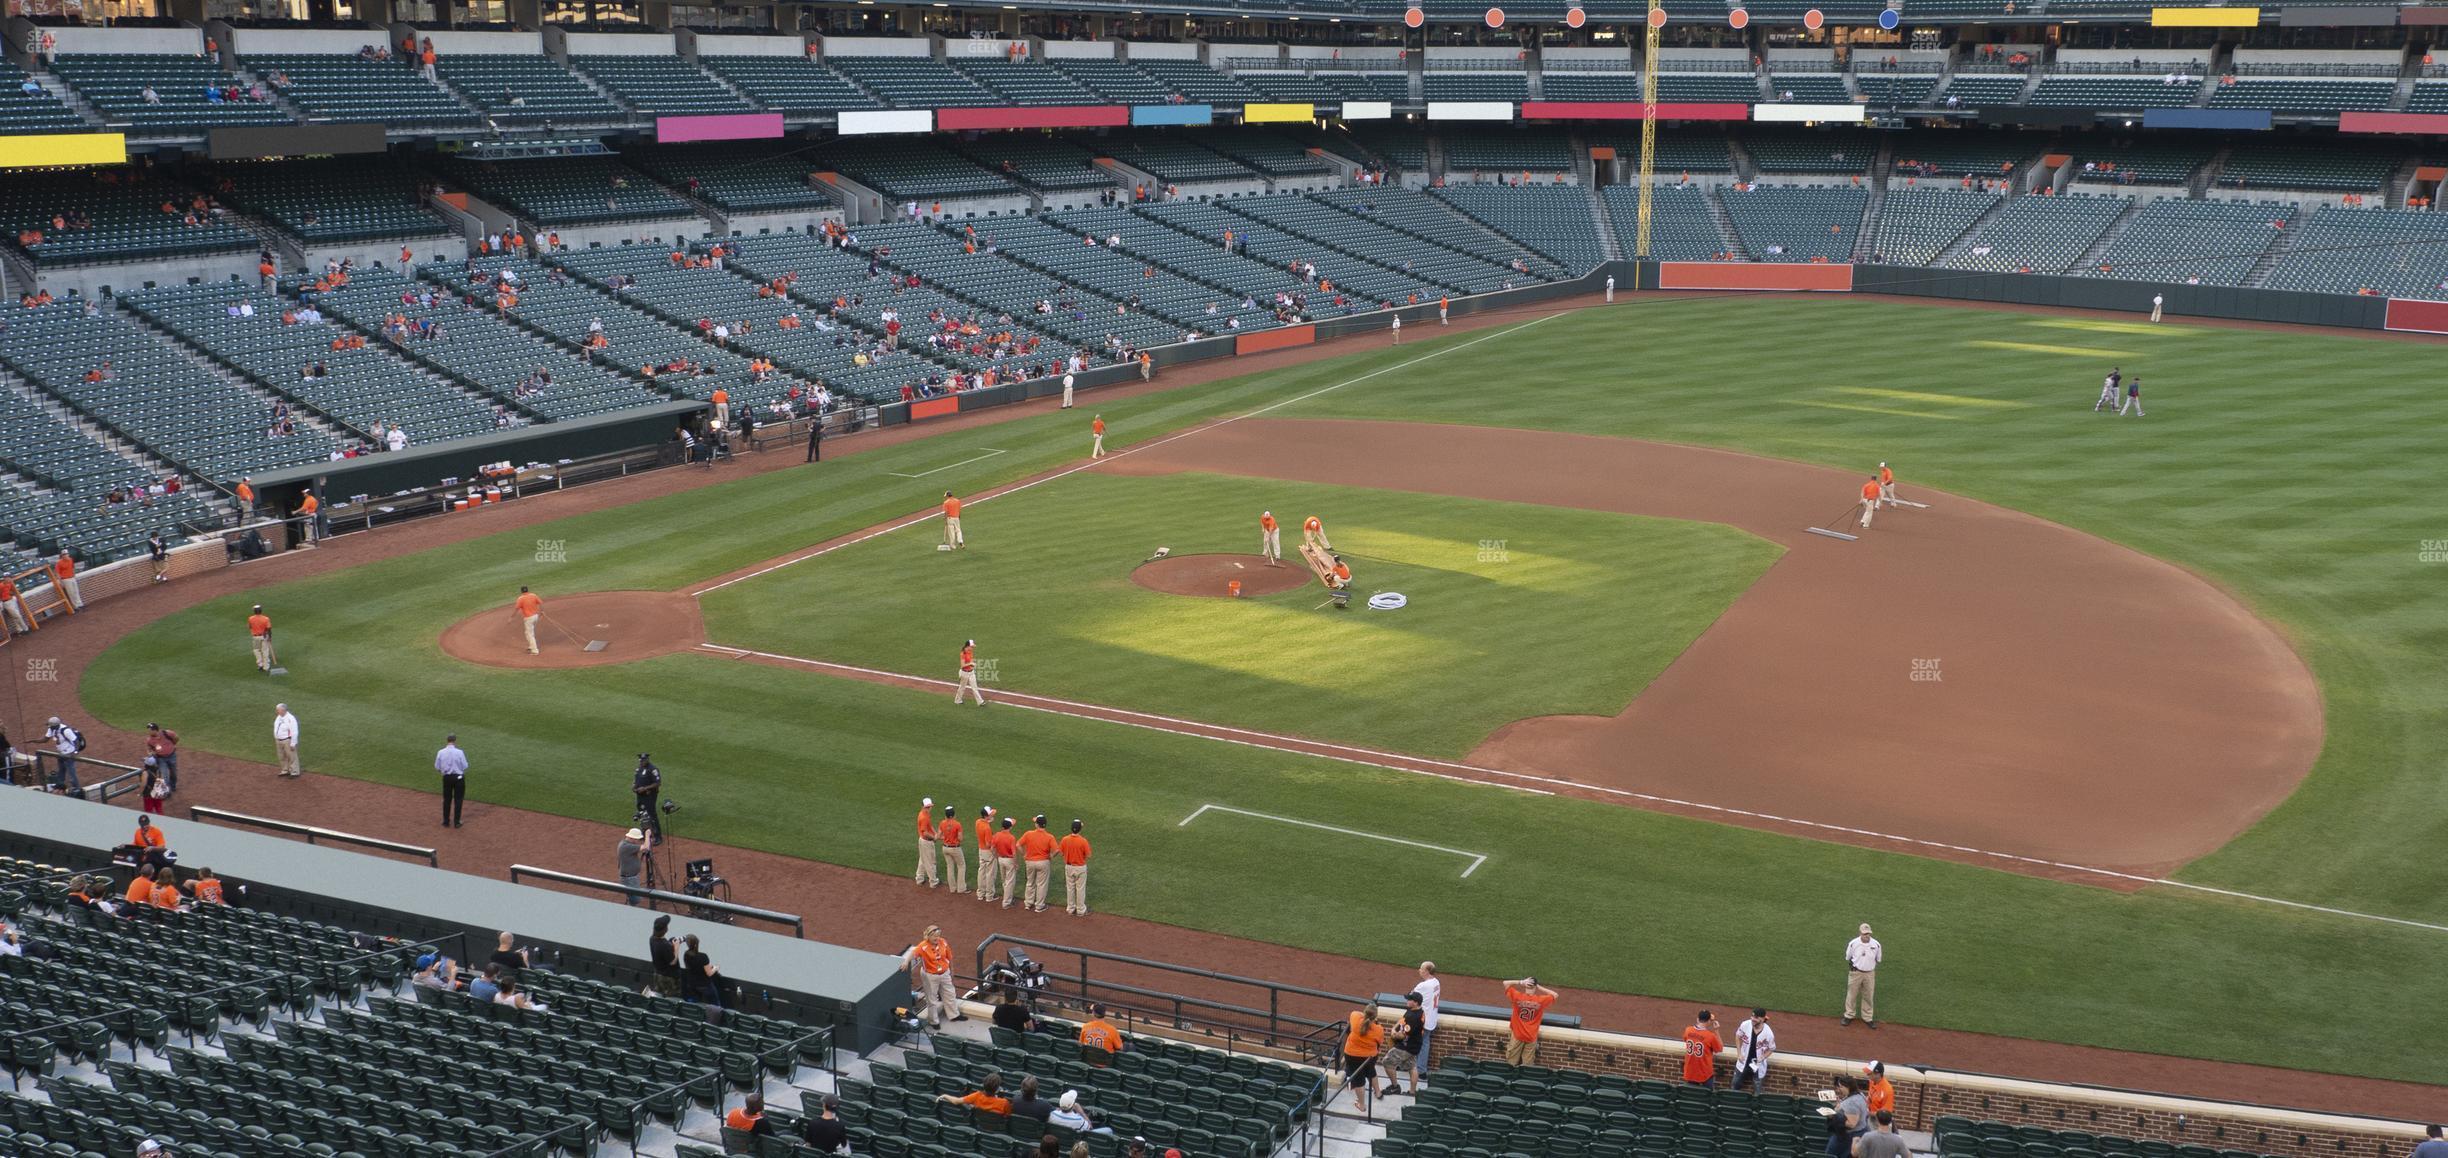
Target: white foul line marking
x=1476, y=859
x=1374, y=758
x=1094, y=463
x=990, y=453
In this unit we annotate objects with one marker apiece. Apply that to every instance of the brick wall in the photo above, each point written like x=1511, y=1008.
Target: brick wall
x=1922, y=1099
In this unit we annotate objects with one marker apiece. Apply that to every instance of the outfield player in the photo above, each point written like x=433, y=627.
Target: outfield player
x=2108, y=390
x=2133, y=397
x=926, y=844
x=952, y=528
x=948, y=839
x=968, y=675
x=1869, y=499
x=1270, y=539
x=1313, y=533
x=1096, y=432
x=1886, y=485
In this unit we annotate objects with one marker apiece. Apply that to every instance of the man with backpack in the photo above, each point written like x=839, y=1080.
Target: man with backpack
x=66, y=742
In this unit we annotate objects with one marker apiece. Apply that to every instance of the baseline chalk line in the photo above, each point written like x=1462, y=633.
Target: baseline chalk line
x=1476, y=859
x=990, y=453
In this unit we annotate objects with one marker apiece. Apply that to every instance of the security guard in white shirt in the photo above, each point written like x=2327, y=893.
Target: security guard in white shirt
x=1862, y=956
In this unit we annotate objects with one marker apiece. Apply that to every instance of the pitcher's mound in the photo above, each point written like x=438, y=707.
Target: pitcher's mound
x=1213, y=574
x=632, y=624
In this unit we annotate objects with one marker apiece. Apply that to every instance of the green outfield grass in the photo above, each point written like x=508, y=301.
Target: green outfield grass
x=2291, y=468
x=1045, y=587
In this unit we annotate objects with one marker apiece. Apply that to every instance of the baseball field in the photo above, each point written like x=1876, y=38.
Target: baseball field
x=2125, y=739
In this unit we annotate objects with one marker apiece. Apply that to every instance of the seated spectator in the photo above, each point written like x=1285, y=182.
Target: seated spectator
x=1012, y=1012
x=1071, y=1116
x=507, y=957
x=486, y=986
x=206, y=888
x=1099, y=1033
x=165, y=890
x=749, y=1117
x=988, y=1096
x=140, y=888
x=1028, y=1105
x=435, y=971
x=825, y=1132
x=516, y=997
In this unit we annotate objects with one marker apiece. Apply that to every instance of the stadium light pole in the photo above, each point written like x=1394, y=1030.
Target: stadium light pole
x=1649, y=109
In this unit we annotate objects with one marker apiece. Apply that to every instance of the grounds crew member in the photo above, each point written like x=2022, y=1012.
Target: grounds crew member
x=952, y=527
x=1096, y=431
x=1037, y=848
x=926, y=844
x=931, y=959
x=1074, y=850
x=13, y=608
x=529, y=610
x=63, y=573
x=1313, y=533
x=1869, y=499
x=948, y=837
x=1862, y=957
x=1270, y=539
x=1886, y=485
x=1007, y=861
x=968, y=675
x=259, y=626
x=985, y=854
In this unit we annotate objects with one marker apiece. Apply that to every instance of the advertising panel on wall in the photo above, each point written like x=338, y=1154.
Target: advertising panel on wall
x=2393, y=123
x=854, y=122
x=1368, y=110
x=1470, y=110
x=254, y=142
x=1172, y=114
x=1800, y=112
x=1259, y=114
x=1745, y=275
x=2205, y=17
x=725, y=127
x=2238, y=120
x=41, y=149
x=1034, y=117
x=2418, y=316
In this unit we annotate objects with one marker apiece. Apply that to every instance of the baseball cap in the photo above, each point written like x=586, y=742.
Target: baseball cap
x=929, y=802
x=427, y=961
x=636, y=834
x=1865, y=926
x=1070, y=1098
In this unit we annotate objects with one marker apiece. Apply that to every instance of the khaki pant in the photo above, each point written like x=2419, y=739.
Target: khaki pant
x=1317, y=539
x=1075, y=889
x=1009, y=868
x=14, y=611
x=161, y=568
x=1039, y=875
x=1066, y=402
x=926, y=862
x=1861, y=985
x=2155, y=308
x=1096, y=449
x=935, y=990
x=1270, y=544
x=968, y=686
x=76, y=598
x=1519, y=1052
x=1868, y=506
x=287, y=749
x=722, y=414
x=952, y=533
x=263, y=652
x=955, y=869
x=529, y=623
x=986, y=872
x=1887, y=493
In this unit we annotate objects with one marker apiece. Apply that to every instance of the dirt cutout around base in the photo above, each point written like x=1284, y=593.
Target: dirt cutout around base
x=1212, y=575
x=633, y=625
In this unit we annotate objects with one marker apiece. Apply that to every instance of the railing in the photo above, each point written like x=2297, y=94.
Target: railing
x=1267, y=1024
x=798, y=925
x=314, y=834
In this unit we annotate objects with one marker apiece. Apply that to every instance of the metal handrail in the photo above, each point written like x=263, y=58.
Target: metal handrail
x=1279, y=1025
x=313, y=833
x=798, y=925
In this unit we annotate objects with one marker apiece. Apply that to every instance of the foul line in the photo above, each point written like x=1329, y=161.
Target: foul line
x=990, y=453
x=1476, y=858
x=1094, y=463
x=1412, y=765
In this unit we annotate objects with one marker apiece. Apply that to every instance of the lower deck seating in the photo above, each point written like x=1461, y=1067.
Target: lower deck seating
x=1426, y=217
x=58, y=499
x=2381, y=252
x=2196, y=242
x=1681, y=226
x=1558, y=221
x=1916, y=225
x=2039, y=234
x=1537, y=1110
x=1202, y=259
x=1809, y=223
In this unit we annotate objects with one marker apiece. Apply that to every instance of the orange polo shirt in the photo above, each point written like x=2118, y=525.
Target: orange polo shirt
x=926, y=824
x=1097, y=426
x=1700, y=1047
x=1886, y=476
x=721, y=397
x=1882, y=1095
x=1036, y=844
x=949, y=833
x=1870, y=490
x=1266, y=522
x=1312, y=524
x=8, y=590
x=1074, y=849
x=935, y=956
x=951, y=507
x=149, y=837
x=528, y=604
x=308, y=507
x=985, y=833
x=259, y=624
x=64, y=567
x=246, y=494
x=968, y=659
x=1005, y=846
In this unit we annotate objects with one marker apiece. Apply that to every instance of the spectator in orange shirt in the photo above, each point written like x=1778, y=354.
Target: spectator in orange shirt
x=150, y=843
x=207, y=887
x=1074, y=849
x=1363, y=1038
x=748, y=1117
x=140, y=887
x=1099, y=1033
x=1530, y=1002
x=1881, y=1092
x=1037, y=849
x=948, y=840
x=988, y=1096
x=1007, y=861
x=1701, y=1045
x=165, y=890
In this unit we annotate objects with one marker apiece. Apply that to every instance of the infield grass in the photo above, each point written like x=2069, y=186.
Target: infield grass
x=2296, y=469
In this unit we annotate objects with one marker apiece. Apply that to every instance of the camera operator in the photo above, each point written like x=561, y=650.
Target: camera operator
x=635, y=847
x=648, y=785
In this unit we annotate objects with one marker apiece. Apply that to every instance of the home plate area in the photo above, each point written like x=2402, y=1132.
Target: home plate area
x=1215, y=576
